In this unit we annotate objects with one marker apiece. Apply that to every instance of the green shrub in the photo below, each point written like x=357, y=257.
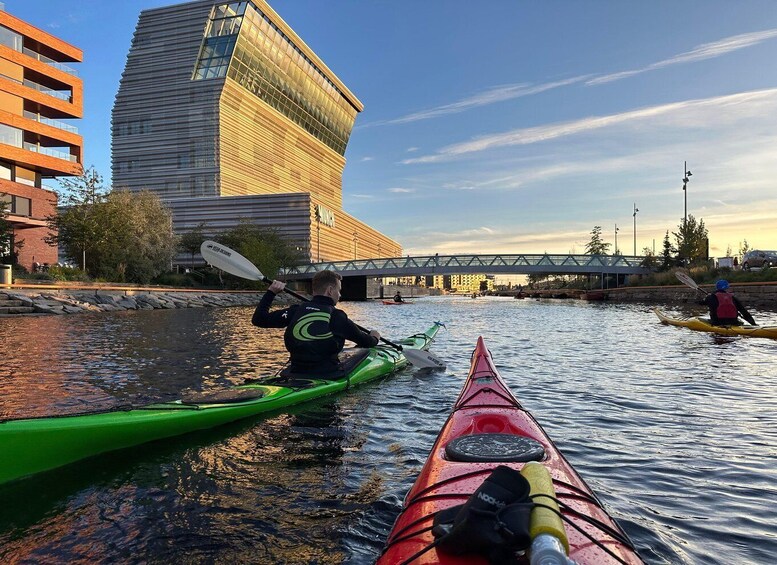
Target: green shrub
x=60, y=273
x=180, y=280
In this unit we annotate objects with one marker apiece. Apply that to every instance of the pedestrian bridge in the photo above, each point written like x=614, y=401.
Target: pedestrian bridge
x=544, y=264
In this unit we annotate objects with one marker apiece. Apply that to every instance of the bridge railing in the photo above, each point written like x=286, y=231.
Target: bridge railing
x=487, y=264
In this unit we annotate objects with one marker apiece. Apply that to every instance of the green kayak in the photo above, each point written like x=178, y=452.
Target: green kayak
x=33, y=445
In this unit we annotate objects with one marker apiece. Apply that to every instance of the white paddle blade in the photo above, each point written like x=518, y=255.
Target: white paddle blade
x=422, y=359
x=686, y=280
x=232, y=262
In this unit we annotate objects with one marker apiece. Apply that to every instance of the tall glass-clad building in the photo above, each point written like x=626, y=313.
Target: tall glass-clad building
x=227, y=114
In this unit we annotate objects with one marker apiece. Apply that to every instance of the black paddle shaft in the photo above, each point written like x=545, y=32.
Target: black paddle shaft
x=300, y=297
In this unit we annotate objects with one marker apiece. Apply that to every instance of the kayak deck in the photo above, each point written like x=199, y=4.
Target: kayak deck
x=487, y=408
x=703, y=325
x=33, y=445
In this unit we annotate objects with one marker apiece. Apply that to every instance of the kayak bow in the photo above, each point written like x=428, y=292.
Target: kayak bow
x=33, y=445
x=488, y=428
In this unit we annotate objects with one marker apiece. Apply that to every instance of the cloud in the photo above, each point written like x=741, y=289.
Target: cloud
x=700, y=53
x=363, y=159
x=412, y=149
x=723, y=108
x=401, y=190
x=362, y=196
x=485, y=98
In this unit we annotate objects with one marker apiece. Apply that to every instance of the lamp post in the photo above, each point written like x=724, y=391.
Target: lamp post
x=355, y=243
x=635, y=228
x=686, y=174
x=616, y=240
x=379, y=255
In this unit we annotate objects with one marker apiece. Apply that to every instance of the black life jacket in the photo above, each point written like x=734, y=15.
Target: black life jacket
x=726, y=307
x=309, y=338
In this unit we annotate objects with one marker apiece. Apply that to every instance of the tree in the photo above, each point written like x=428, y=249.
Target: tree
x=141, y=244
x=191, y=241
x=6, y=230
x=596, y=246
x=667, y=253
x=9, y=245
x=128, y=236
x=76, y=227
x=691, y=239
x=650, y=261
x=744, y=247
x=263, y=247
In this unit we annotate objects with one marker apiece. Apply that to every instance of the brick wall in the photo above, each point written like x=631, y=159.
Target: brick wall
x=33, y=230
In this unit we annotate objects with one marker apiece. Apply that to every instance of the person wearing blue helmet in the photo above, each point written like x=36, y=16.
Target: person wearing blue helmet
x=724, y=307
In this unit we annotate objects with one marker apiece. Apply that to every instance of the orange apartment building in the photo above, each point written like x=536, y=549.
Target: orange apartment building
x=37, y=91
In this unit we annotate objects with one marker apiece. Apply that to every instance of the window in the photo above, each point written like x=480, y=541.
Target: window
x=18, y=205
x=10, y=136
x=21, y=206
x=5, y=171
x=10, y=38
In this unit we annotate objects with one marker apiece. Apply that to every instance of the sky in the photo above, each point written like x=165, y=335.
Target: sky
x=511, y=126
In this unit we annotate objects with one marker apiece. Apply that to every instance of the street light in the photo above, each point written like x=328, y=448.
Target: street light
x=616, y=240
x=355, y=243
x=379, y=255
x=686, y=174
x=635, y=228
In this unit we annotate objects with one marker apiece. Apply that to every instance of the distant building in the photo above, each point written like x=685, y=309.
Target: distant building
x=227, y=114
x=37, y=91
x=461, y=283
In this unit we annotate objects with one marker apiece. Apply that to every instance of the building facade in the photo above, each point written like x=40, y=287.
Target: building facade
x=464, y=284
x=227, y=114
x=38, y=90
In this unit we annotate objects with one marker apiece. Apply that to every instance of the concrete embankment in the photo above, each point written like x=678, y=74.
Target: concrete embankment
x=75, y=300
x=753, y=294
x=756, y=295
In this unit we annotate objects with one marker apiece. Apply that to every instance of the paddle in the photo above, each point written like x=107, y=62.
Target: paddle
x=226, y=259
x=688, y=281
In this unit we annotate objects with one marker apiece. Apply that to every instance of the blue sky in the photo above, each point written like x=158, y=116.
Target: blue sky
x=517, y=126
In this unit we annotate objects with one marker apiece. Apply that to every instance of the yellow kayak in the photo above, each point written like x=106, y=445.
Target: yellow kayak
x=703, y=325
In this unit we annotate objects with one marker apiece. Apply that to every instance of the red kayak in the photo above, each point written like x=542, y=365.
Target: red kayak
x=393, y=303
x=489, y=439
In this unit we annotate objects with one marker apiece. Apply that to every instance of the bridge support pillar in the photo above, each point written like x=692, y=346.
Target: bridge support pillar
x=354, y=288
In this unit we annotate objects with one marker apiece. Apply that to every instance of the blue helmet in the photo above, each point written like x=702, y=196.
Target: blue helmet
x=722, y=284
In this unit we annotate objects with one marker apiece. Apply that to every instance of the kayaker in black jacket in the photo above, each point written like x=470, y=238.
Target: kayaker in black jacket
x=724, y=307
x=398, y=297
x=315, y=331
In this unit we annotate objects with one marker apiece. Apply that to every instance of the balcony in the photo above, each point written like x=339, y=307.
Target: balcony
x=51, y=62
x=50, y=152
x=65, y=95
x=49, y=122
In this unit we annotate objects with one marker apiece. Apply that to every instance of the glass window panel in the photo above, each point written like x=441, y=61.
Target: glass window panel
x=10, y=38
x=22, y=206
x=10, y=135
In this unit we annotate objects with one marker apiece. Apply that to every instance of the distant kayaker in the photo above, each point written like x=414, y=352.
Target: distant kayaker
x=315, y=331
x=398, y=297
x=725, y=307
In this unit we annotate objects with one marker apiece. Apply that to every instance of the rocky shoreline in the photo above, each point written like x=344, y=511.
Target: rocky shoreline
x=59, y=302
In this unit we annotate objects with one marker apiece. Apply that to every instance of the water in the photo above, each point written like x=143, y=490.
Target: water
x=674, y=430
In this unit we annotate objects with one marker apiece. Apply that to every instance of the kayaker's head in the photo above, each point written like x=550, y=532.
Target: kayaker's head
x=328, y=283
x=722, y=285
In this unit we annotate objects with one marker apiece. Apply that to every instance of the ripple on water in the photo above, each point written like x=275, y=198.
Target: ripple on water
x=674, y=430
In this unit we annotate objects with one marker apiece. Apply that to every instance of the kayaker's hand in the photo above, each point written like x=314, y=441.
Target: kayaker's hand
x=375, y=334
x=277, y=287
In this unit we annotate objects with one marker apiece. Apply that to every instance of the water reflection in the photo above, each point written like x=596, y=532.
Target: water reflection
x=673, y=429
